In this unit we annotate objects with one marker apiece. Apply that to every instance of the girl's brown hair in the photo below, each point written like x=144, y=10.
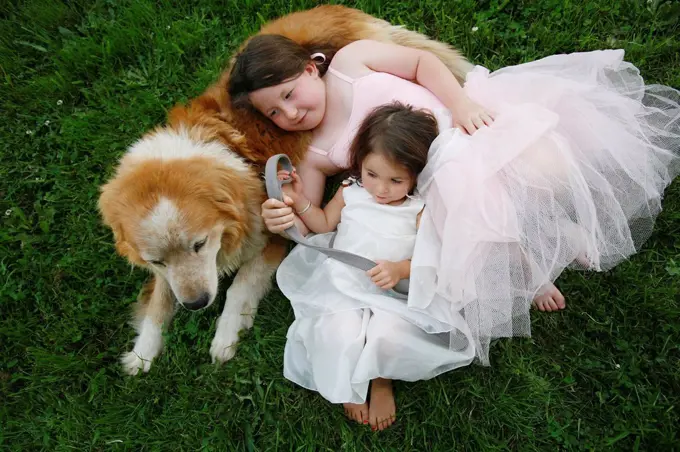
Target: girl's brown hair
x=268, y=60
x=399, y=132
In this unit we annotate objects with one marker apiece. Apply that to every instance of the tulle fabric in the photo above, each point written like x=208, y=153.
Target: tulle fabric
x=571, y=174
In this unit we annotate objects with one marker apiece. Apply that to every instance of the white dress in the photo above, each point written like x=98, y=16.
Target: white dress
x=347, y=331
x=570, y=174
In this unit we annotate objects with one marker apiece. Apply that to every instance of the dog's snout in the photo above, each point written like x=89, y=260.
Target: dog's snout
x=199, y=303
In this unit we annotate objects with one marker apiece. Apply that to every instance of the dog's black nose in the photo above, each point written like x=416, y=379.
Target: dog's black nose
x=200, y=303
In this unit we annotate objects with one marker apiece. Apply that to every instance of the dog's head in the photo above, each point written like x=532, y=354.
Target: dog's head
x=175, y=203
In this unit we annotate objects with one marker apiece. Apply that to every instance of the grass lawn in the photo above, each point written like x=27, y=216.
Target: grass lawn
x=81, y=80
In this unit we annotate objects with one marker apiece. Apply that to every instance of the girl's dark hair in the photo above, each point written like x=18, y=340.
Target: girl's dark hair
x=400, y=132
x=268, y=60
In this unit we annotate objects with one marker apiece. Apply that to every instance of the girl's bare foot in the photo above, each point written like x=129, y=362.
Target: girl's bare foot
x=357, y=412
x=382, y=411
x=580, y=239
x=550, y=299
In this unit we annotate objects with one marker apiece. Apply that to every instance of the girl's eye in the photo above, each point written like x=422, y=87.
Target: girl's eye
x=396, y=181
x=371, y=175
x=290, y=93
x=159, y=263
x=272, y=113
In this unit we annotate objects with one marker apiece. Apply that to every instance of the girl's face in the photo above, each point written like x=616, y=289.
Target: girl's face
x=294, y=105
x=386, y=181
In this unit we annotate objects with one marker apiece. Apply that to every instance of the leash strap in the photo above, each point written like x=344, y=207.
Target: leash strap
x=273, y=185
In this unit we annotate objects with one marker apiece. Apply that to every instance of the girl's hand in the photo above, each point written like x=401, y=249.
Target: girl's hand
x=278, y=216
x=293, y=189
x=469, y=116
x=385, y=275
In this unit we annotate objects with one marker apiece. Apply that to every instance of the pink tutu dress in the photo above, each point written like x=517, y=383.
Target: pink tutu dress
x=571, y=174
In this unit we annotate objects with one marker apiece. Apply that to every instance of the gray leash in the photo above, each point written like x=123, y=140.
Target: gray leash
x=274, y=191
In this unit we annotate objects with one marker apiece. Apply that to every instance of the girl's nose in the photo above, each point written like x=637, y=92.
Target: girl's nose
x=290, y=112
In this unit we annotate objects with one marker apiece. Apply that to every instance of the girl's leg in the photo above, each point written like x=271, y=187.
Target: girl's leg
x=321, y=354
x=382, y=411
x=549, y=299
x=397, y=349
x=383, y=332
x=357, y=412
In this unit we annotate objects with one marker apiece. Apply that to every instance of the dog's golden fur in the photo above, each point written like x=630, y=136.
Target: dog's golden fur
x=197, y=177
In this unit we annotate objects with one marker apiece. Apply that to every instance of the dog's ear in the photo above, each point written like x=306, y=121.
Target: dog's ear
x=237, y=200
x=109, y=207
x=227, y=194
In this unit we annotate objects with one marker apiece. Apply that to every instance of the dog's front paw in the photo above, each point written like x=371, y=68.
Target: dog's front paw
x=133, y=363
x=222, y=352
x=224, y=344
x=247, y=321
x=148, y=345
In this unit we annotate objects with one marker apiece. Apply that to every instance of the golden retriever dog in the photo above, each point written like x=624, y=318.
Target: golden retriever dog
x=184, y=202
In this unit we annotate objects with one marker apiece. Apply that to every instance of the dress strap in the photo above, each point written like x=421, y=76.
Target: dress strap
x=317, y=150
x=340, y=75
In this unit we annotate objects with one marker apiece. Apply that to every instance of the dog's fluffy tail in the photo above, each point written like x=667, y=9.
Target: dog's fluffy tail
x=336, y=26
x=456, y=62
x=397, y=34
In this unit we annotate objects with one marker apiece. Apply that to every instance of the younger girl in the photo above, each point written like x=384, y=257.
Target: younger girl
x=348, y=334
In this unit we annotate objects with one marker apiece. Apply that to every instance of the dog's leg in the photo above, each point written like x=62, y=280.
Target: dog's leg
x=251, y=283
x=154, y=309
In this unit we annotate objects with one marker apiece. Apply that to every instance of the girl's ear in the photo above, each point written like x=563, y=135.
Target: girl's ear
x=311, y=69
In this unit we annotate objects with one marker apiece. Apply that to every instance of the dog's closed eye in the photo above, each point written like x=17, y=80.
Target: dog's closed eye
x=199, y=245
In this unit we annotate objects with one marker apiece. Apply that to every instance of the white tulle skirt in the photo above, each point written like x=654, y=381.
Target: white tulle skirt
x=571, y=174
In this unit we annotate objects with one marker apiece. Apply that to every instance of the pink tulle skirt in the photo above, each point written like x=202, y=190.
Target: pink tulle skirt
x=571, y=174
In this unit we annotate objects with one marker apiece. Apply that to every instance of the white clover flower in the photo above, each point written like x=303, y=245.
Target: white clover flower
x=59, y=102
x=475, y=28
x=29, y=132
x=8, y=212
x=47, y=123
x=618, y=366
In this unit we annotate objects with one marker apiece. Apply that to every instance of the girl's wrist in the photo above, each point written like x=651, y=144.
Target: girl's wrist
x=405, y=269
x=302, y=205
